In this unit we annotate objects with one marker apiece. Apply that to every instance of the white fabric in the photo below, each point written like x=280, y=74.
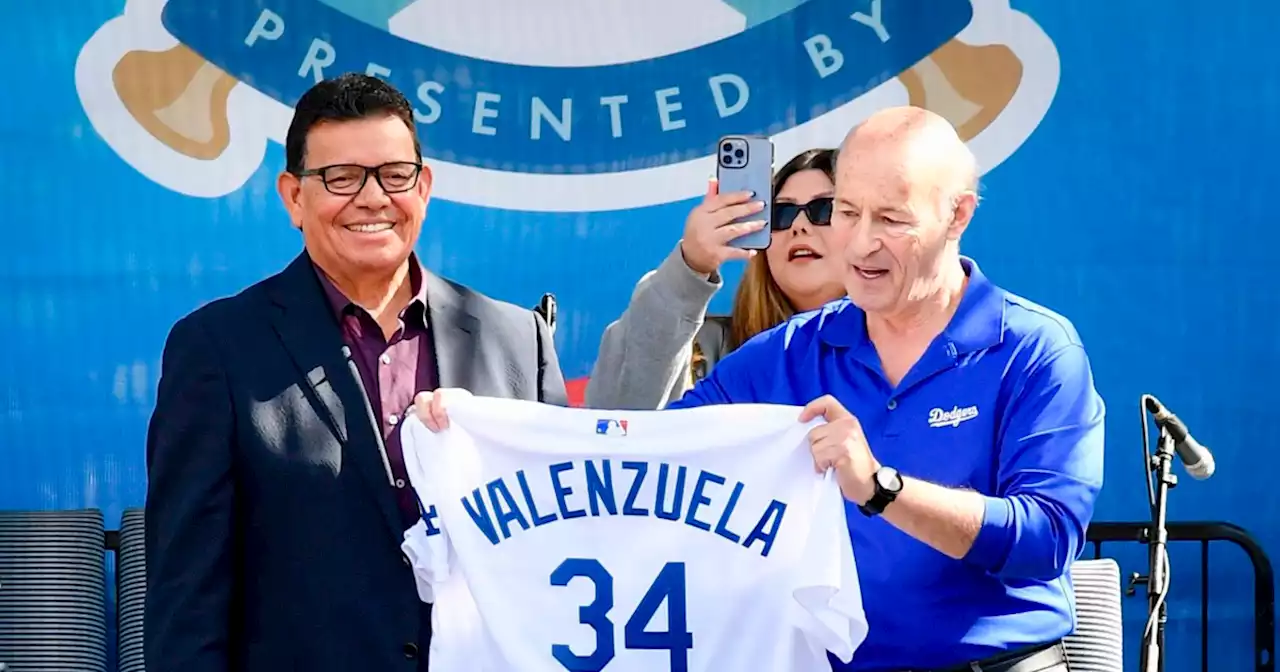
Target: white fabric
x=566, y=33
x=495, y=606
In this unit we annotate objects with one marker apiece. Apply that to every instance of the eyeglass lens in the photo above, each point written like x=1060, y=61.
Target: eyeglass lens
x=818, y=212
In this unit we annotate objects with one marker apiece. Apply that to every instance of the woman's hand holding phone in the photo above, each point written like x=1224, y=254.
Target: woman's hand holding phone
x=708, y=229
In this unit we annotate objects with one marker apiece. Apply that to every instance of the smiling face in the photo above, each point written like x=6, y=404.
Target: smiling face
x=370, y=232
x=799, y=257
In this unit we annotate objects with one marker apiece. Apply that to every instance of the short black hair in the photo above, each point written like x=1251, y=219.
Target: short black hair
x=344, y=98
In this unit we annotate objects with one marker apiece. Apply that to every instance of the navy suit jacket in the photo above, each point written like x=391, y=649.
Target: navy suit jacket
x=272, y=534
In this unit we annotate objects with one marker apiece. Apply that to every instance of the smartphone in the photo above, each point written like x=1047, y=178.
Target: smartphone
x=745, y=163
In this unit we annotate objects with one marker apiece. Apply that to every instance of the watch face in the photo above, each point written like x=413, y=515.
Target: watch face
x=889, y=479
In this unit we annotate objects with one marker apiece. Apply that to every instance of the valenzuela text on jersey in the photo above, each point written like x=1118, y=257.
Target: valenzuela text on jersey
x=697, y=498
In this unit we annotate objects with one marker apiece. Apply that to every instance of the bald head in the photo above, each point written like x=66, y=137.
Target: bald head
x=921, y=142
x=904, y=195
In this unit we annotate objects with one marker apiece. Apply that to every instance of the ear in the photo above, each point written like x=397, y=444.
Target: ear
x=426, y=180
x=965, y=205
x=290, y=189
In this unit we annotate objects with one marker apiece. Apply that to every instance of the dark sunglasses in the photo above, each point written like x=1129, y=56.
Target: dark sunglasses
x=818, y=211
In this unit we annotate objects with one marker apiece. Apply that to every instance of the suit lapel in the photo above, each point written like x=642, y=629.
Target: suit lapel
x=310, y=334
x=454, y=334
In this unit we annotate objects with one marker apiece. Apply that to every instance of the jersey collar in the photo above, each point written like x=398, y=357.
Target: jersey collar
x=977, y=324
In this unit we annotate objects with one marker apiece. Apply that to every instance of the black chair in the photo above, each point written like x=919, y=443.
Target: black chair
x=1097, y=645
x=131, y=591
x=53, y=591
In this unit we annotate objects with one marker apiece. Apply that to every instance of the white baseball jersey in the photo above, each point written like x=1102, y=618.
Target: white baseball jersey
x=695, y=540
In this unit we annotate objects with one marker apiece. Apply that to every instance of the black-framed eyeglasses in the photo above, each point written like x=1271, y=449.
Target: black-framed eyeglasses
x=347, y=179
x=818, y=211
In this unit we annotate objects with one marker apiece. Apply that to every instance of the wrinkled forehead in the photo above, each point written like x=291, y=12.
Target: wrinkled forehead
x=885, y=176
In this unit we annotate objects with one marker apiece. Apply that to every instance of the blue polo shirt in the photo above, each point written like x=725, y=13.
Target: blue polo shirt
x=1002, y=403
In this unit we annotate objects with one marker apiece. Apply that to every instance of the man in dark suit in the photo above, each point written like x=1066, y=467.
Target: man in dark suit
x=277, y=495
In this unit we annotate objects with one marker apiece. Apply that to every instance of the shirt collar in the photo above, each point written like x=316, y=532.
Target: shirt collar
x=977, y=324
x=416, y=310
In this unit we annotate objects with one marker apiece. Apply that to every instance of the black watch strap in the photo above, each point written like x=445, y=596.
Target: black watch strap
x=882, y=498
x=875, y=506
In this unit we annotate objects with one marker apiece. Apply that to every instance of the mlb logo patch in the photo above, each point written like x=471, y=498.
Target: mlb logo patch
x=611, y=427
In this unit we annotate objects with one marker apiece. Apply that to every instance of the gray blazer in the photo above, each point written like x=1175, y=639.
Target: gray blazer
x=645, y=355
x=273, y=537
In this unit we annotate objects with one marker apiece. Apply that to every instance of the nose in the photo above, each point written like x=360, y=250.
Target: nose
x=372, y=195
x=862, y=241
x=801, y=224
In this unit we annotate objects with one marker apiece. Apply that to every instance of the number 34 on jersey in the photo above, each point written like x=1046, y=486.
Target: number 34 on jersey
x=697, y=540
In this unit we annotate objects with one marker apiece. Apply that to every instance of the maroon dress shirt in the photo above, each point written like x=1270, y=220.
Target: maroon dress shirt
x=392, y=370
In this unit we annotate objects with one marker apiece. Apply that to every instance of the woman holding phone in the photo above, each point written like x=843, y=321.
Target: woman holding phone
x=664, y=342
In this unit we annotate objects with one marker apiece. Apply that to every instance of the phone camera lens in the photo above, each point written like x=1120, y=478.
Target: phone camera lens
x=727, y=147
x=738, y=153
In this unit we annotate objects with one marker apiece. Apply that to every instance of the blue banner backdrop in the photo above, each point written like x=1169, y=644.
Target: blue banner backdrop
x=278, y=46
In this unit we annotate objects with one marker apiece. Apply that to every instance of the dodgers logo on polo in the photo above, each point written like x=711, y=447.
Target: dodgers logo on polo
x=537, y=106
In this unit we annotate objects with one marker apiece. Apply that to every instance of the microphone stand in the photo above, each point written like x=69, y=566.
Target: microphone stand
x=1161, y=464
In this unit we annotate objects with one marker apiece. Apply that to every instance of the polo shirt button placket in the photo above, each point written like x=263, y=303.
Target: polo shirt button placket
x=891, y=430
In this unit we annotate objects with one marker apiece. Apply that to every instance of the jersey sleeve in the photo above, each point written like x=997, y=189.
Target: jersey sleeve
x=827, y=587
x=426, y=544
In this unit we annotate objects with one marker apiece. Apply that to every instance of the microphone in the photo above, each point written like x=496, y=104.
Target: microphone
x=1195, y=457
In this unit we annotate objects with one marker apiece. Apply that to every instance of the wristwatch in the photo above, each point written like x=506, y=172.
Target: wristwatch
x=888, y=484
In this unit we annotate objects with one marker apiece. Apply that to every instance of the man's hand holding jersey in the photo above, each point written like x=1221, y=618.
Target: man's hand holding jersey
x=840, y=444
x=430, y=406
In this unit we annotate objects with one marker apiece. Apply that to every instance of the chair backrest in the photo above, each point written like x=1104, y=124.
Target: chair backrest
x=547, y=309
x=1097, y=644
x=131, y=591
x=53, y=591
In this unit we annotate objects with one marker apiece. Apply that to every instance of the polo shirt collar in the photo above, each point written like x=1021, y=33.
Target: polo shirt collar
x=977, y=324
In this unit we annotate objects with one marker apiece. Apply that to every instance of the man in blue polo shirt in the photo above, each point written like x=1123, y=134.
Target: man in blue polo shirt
x=963, y=422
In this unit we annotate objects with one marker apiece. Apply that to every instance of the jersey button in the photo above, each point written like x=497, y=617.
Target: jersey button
x=893, y=403
x=411, y=651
